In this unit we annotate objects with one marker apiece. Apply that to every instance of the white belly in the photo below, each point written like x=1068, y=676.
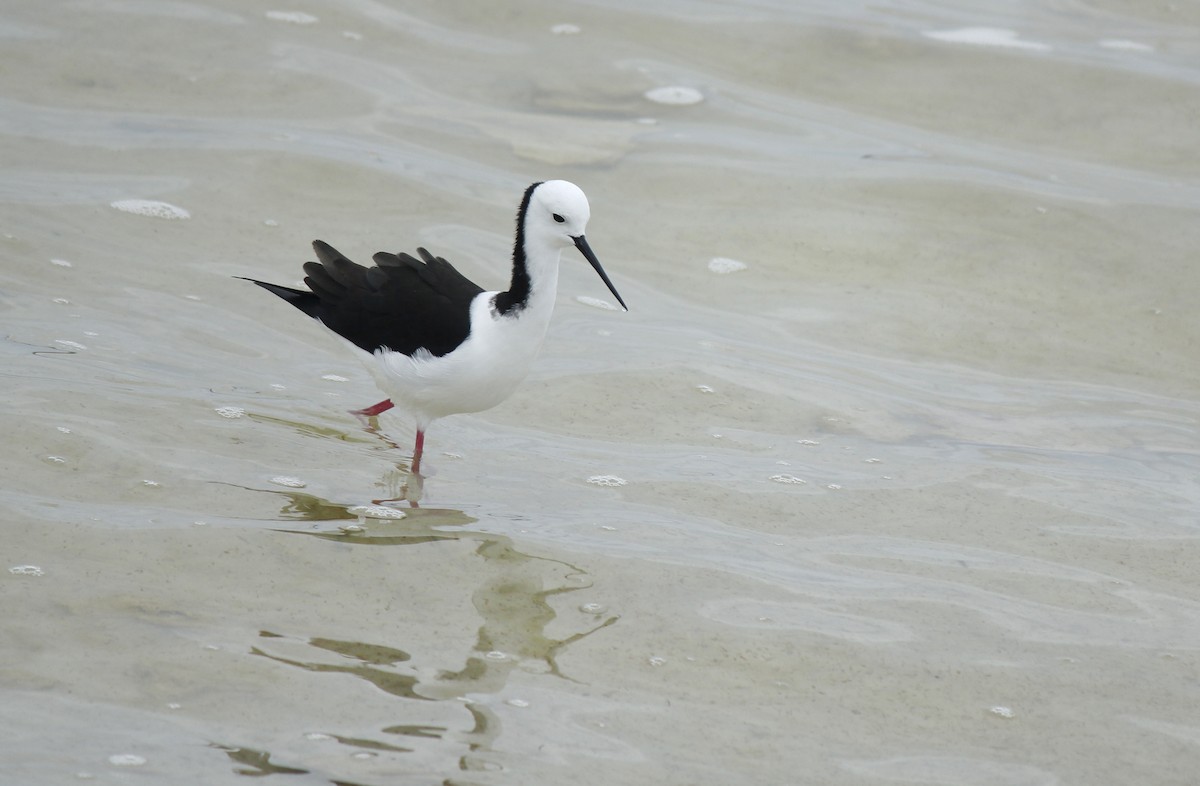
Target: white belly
x=482, y=372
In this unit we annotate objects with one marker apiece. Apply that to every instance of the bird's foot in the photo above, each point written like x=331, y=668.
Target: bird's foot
x=365, y=414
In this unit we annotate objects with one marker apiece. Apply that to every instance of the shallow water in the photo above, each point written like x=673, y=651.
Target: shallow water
x=911, y=497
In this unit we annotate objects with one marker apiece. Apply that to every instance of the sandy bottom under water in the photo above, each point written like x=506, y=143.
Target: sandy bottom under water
x=908, y=497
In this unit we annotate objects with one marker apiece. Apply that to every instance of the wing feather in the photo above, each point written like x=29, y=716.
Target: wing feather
x=402, y=303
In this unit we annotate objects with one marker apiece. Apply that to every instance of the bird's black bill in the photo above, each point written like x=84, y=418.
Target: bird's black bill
x=582, y=244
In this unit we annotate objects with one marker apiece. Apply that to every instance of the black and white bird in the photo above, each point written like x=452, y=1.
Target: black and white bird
x=436, y=342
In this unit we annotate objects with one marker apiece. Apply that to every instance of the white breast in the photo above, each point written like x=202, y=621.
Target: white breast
x=482, y=372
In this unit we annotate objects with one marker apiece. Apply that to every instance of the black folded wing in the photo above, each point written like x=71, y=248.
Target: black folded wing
x=401, y=303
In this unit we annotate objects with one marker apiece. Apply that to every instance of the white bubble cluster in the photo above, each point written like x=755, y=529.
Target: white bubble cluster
x=151, y=208
x=292, y=17
x=675, y=95
x=606, y=480
x=1128, y=46
x=724, y=265
x=985, y=36
x=377, y=512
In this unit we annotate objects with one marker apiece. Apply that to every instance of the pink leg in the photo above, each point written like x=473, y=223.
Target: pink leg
x=374, y=409
x=418, y=449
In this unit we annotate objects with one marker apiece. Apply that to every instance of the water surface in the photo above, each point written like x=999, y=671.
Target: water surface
x=908, y=497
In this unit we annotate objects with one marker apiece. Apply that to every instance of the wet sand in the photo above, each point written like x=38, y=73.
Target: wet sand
x=911, y=498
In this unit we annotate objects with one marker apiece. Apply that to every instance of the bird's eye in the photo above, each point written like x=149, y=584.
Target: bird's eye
x=559, y=218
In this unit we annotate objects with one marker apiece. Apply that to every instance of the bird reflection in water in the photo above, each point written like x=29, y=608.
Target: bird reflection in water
x=512, y=594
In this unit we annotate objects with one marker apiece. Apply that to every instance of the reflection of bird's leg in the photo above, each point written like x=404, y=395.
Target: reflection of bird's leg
x=414, y=484
x=414, y=488
x=411, y=489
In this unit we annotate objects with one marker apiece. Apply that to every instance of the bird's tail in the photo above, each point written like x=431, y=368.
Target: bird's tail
x=305, y=301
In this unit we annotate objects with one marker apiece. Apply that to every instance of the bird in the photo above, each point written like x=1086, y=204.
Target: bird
x=436, y=342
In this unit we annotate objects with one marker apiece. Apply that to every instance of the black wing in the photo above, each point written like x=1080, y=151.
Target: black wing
x=402, y=303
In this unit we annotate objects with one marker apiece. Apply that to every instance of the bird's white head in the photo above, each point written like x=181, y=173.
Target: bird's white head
x=555, y=216
x=558, y=212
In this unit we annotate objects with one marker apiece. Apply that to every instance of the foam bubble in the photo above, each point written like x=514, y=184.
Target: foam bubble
x=1003, y=712
x=334, y=378
x=127, y=760
x=292, y=17
x=230, y=412
x=675, y=95
x=151, y=208
x=69, y=344
x=288, y=481
x=606, y=480
x=985, y=36
x=60, y=262
x=788, y=479
x=1128, y=46
x=26, y=570
x=566, y=29
x=725, y=265
x=377, y=512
